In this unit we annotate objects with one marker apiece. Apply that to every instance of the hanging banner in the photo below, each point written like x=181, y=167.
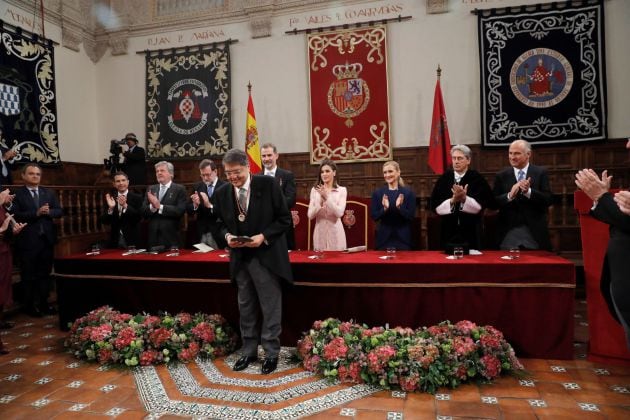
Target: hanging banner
x=28, y=107
x=188, y=103
x=542, y=74
x=348, y=95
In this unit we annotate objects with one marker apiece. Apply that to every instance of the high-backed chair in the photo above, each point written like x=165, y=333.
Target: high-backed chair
x=301, y=225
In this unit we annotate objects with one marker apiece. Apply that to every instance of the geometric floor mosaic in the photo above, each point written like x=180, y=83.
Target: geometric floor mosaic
x=210, y=389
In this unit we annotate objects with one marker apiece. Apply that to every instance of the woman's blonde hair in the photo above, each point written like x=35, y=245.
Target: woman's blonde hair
x=401, y=181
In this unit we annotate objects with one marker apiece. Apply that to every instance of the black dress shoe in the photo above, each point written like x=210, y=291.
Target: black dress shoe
x=48, y=310
x=269, y=365
x=243, y=362
x=33, y=312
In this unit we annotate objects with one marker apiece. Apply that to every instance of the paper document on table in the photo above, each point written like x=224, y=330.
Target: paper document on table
x=475, y=252
x=201, y=247
x=359, y=248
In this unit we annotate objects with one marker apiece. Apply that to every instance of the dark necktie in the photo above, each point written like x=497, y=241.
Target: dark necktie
x=35, y=198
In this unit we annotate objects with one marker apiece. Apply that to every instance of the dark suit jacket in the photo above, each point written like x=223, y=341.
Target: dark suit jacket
x=206, y=218
x=394, y=225
x=135, y=166
x=267, y=213
x=286, y=179
x=616, y=263
x=38, y=228
x=5, y=180
x=531, y=212
x=128, y=222
x=164, y=228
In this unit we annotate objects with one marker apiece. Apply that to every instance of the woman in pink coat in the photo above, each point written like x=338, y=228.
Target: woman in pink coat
x=327, y=205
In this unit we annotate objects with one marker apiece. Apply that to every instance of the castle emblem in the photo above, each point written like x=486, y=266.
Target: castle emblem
x=349, y=218
x=349, y=95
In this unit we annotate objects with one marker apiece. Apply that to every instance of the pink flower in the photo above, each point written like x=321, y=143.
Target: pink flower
x=101, y=332
x=189, y=353
x=125, y=337
x=148, y=357
x=335, y=350
x=312, y=363
x=490, y=342
x=345, y=327
x=305, y=346
x=378, y=358
x=491, y=366
x=466, y=327
x=184, y=318
x=464, y=345
x=104, y=355
x=159, y=336
x=409, y=383
x=151, y=321
x=204, y=332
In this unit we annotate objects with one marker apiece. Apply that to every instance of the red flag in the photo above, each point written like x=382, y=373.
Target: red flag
x=440, y=141
x=252, y=145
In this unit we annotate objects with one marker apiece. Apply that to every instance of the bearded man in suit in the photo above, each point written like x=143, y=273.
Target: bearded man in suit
x=523, y=196
x=286, y=180
x=123, y=214
x=164, y=206
x=253, y=206
x=202, y=204
x=37, y=207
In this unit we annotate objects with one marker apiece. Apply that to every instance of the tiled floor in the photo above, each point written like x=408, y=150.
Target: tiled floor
x=38, y=380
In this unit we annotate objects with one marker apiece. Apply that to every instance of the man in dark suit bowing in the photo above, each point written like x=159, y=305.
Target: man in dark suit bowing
x=123, y=214
x=201, y=205
x=164, y=206
x=135, y=165
x=523, y=195
x=286, y=180
x=253, y=206
x=37, y=207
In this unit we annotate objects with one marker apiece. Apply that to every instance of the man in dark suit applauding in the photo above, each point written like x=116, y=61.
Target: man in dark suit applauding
x=201, y=204
x=523, y=195
x=164, y=207
x=286, y=180
x=253, y=218
x=135, y=165
x=123, y=214
x=37, y=207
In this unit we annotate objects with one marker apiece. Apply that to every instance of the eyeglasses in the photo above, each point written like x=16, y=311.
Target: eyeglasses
x=235, y=172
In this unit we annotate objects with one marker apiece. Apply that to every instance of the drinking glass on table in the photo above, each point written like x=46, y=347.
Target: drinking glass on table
x=515, y=253
x=174, y=251
x=458, y=252
x=318, y=253
x=96, y=249
x=391, y=252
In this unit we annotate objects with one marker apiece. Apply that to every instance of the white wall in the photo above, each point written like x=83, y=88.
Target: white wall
x=106, y=100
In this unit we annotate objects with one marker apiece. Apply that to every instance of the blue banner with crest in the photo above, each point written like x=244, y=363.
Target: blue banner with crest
x=543, y=77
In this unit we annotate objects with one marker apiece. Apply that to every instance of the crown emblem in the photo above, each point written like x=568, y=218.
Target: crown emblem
x=347, y=71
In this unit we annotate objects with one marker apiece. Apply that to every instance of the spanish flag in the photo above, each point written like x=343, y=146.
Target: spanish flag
x=252, y=145
x=440, y=141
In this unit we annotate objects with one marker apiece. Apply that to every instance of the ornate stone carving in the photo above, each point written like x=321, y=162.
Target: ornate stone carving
x=71, y=38
x=260, y=26
x=437, y=6
x=94, y=49
x=119, y=42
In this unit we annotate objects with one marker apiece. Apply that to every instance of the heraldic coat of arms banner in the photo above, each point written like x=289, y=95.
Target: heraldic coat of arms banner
x=188, y=103
x=28, y=105
x=348, y=95
x=542, y=74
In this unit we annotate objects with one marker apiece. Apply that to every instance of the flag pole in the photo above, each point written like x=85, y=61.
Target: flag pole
x=439, y=71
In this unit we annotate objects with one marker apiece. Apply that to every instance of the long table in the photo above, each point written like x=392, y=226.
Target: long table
x=530, y=299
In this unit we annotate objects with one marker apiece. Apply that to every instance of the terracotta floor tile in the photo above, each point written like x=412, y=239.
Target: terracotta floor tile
x=370, y=415
x=467, y=409
x=419, y=414
x=566, y=413
x=535, y=365
x=80, y=415
x=376, y=403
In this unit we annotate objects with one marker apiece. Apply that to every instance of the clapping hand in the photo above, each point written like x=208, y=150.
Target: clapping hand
x=399, y=200
x=321, y=189
x=459, y=193
x=111, y=203
x=205, y=199
x=385, y=202
x=588, y=181
x=155, y=202
x=195, y=199
x=622, y=198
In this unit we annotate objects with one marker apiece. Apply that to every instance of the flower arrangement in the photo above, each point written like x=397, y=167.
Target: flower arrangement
x=412, y=360
x=108, y=336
